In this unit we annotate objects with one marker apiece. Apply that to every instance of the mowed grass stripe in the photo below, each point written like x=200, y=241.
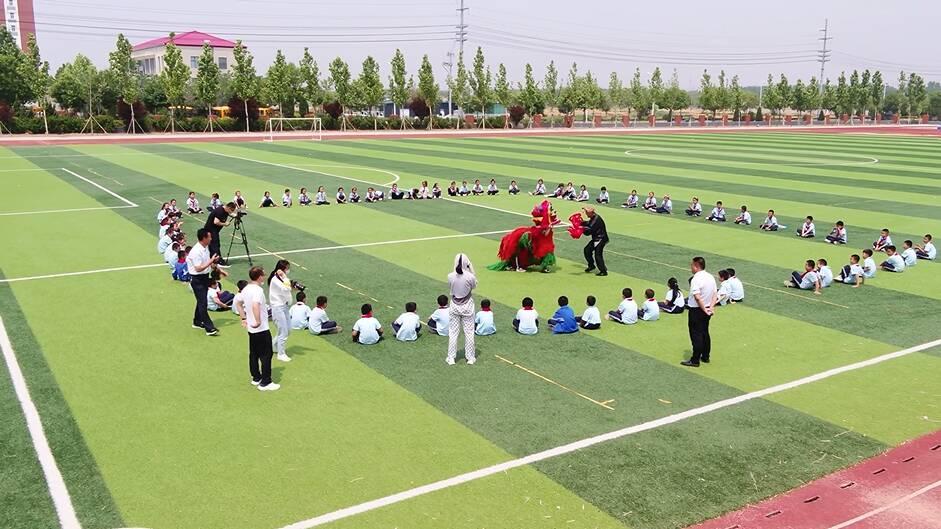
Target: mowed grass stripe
x=748, y=243
x=666, y=170
x=368, y=409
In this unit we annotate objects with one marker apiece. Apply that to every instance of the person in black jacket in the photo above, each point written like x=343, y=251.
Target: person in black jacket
x=594, y=250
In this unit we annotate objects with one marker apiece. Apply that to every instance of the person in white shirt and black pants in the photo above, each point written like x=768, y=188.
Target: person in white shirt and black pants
x=700, y=307
x=199, y=263
x=279, y=295
x=251, y=307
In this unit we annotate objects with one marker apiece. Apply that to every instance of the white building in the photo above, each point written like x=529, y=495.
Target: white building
x=149, y=55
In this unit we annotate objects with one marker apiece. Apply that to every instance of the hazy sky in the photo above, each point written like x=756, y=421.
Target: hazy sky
x=742, y=36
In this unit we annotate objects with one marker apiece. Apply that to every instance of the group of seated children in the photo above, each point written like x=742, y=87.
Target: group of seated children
x=313, y=319
x=477, y=189
x=665, y=207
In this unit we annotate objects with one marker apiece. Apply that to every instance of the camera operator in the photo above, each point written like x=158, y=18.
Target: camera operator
x=199, y=263
x=218, y=219
x=280, y=288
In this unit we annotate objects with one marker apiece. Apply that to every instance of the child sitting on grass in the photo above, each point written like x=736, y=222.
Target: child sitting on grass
x=694, y=209
x=238, y=295
x=675, y=302
x=540, y=188
x=440, y=319
x=893, y=261
x=267, y=201
x=527, y=319
x=744, y=217
x=631, y=201
x=318, y=323
x=626, y=312
x=180, y=270
x=603, y=197
x=808, y=280
x=407, y=327
x=666, y=206
x=192, y=204
x=492, y=188
x=514, y=189
x=852, y=274
x=926, y=250
x=884, y=241
x=303, y=198
x=218, y=299
x=807, y=230
x=299, y=312
x=354, y=195
x=483, y=321
x=650, y=310
x=477, y=189
x=717, y=214
x=869, y=264
x=286, y=199
x=563, y=321
x=341, y=196
x=908, y=254
x=590, y=320
x=321, y=198
x=770, y=223
x=837, y=234
x=367, y=330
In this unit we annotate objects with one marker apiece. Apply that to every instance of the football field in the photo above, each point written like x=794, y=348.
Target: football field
x=151, y=424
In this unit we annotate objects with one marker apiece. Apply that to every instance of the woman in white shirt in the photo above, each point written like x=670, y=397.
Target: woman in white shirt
x=279, y=296
x=462, y=281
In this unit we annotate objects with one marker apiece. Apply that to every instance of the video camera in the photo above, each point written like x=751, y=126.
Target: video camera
x=297, y=285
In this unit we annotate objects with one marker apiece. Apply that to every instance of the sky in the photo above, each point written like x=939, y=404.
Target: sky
x=744, y=37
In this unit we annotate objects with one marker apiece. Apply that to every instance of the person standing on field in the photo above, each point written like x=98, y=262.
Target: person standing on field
x=594, y=250
x=279, y=295
x=199, y=264
x=700, y=306
x=462, y=281
x=252, y=309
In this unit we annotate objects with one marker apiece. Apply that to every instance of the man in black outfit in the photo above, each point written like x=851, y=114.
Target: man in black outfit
x=594, y=250
x=218, y=219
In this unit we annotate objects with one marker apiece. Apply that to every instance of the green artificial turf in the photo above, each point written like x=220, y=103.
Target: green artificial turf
x=179, y=439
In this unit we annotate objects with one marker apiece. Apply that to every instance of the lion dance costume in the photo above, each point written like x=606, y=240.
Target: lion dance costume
x=530, y=246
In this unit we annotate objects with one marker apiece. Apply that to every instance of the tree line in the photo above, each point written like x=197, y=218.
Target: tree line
x=303, y=88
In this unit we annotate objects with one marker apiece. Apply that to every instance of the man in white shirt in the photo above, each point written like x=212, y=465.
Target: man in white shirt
x=408, y=324
x=199, y=264
x=927, y=249
x=700, y=307
x=253, y=311
x=367, y=330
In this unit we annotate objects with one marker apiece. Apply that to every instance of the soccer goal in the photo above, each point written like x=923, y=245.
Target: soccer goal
x=305, y=128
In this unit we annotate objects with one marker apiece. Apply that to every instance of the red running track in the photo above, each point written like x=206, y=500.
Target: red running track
x=900, y=489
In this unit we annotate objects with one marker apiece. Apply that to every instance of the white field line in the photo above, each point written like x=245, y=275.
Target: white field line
x=101, y=187
x=263, y=254
x=889, y=506
x=57, y=489
x=395, y=176
x=595, y=440
x=782, y=159
x=72, y=210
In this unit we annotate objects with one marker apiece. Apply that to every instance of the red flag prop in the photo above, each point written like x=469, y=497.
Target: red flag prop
x=576, y=230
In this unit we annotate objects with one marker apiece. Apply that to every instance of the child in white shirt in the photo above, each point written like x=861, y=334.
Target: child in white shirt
x=809, y=280
x=192, y=204
x=694, y=209
x=852, y=274
x=631, y=201
x=717, y=214
x=675, y=301
x=341, y=196
x=483, y=321
x=527, y=319
x=477, y=189
x=267, y=201
x=869, y=264
x=824, y=272
x=514, y=189
x=590, y=320
x=286, y=199
x=237, y=298
x=650, y=310
x=838, y=234
x=603, y=196
x=770, y=223
x=217, y=299
x=736, y=288
x=299, y=312
x=463, y=190
x=407, y=327
x=440, y=319
x=894, y=261
x=927, y=249
x=435, y=191
x=215, y=202
x=744, y=217
x=725, y=288
x=318, y=323
x=883, y=241
x=626, y=312
x=540, y=188
x=492, y=188
x=320, y=199
x=650, y=204
x=367, y=330
x=354, y=195
x=583, y=195
x=303, y=198
x=666, y=206
x=908, y=254
x=807, y=230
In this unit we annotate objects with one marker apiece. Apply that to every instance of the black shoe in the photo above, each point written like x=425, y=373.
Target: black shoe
x=689, y=363
x=589, y=269
x=602, y=274
x=704, y=360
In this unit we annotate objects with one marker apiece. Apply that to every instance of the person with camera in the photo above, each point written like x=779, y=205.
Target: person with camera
x=251, y=309
x=280, y=288
x=200, y=262
x=219, y=218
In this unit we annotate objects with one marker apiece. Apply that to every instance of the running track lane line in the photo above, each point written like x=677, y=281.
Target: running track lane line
x=888, y=506
x=101, y=187
x=598, y=439
x=57, y=489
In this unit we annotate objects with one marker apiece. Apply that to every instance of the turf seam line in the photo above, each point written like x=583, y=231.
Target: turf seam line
x=101, y=187
x=70, y=210
x=56, y=483
x=888, y=506
x=603, y=404
x=294, y=168
x=597, y=439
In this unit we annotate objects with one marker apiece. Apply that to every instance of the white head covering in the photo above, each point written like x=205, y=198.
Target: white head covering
x=462, y=279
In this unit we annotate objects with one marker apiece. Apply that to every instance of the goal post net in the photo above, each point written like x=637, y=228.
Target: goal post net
x=297, y=128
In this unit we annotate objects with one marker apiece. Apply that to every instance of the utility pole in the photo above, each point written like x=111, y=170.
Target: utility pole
x=462, y=28
x=449, y=66
x=823, y=55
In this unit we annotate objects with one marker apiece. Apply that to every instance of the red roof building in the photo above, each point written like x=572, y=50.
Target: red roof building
x=149, y=55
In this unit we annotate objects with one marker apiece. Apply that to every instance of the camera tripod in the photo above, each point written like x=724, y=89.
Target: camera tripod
x=239, y=229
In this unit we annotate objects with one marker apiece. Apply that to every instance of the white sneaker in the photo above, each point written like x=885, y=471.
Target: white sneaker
x=256, y=382
x=449, y=361
x=472, y=361
x=284, y=358
x=270, y=387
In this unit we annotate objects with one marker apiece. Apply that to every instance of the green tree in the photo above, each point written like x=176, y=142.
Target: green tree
x=124, y=74
x=736, y=98
x=369, y=86
x=428, y=89
x=67, y=90
x=784, y=93
x=458, y=85
x=934, y=104
x=342, y=86
x=550, y=87
x=312, y=89
x=812, y=94
x=531, y=97
x=723, y=93
x=799, y=99
x=501, y=90
x=674, y=97
x=877, y=91
x=594, y=97
x=278, y=82
x=844, y=98
x=480, y=84
x=771, y=99
x=854, y=89
x=655, y=87
x=864, y=96
x=828, y=97
x=615, y=89
x=245, y=79
x=174, y=77
x=398, y=84
x=902, y=100
x=207, y=82
x=36, y=73
x=640, y=96
x=14, y=87
x=917, y=94
x=708, y=96
x=573, y=94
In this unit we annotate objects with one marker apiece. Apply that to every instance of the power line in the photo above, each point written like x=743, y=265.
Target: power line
x=462, y=28
x=823, y=55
